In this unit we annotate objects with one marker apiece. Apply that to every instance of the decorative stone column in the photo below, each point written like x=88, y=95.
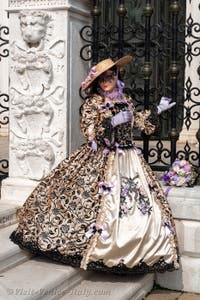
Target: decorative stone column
x=45, y=75
x=192, y=80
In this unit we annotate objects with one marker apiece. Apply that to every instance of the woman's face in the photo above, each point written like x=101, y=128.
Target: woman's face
x=108, y=81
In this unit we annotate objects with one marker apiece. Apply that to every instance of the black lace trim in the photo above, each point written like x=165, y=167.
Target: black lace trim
x=72, y=260
x=142, y=268
x=75, y=260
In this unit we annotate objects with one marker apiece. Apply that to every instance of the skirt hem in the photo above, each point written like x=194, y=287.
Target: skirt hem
x=75, y=260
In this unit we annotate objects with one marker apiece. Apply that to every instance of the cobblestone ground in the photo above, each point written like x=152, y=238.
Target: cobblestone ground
x=162, y=294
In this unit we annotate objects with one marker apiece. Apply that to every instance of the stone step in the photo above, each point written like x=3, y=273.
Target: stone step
x=10, y=254
x=39, y=279
x=184, y=202
x=186, y=278
x=8, y=213
x=112, y=287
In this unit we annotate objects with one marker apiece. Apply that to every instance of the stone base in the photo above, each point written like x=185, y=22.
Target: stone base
x=187, y=278
x=188, y=136
x=188, y=233
x=8, y=214
x=185, y=202
x=185, y=207
x=17, y=190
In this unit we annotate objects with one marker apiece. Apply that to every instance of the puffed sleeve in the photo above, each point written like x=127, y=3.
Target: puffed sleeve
x=147, y=120
x=92, y=122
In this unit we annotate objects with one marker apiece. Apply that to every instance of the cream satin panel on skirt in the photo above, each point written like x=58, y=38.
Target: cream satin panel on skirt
x=135, y=236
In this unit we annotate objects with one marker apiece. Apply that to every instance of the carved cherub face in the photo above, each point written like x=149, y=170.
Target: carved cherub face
x=33, y=27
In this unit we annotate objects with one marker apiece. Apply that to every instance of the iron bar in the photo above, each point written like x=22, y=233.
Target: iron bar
x=96, y=12
x=174, y=71
x=147, y=70
x=4, y=120
x=4, y=52
x=4, y=108
x=122, y=13
x=4, y=164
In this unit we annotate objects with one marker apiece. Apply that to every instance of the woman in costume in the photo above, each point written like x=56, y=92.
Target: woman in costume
x=102, y=208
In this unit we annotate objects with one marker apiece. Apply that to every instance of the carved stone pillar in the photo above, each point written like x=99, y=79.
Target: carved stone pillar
x=45, y=75
x=192, y=80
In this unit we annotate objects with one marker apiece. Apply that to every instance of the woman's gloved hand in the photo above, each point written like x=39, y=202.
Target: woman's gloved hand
x=165, y=104
x=93, y=143
x=121, y=117
x=94, y=146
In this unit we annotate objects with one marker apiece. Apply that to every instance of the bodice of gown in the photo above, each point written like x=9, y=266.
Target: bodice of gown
x=96, y=116
x=121, y=135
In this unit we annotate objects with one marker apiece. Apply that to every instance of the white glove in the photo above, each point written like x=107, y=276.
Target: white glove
x=121, y=117
x=165, y=104
x=94, y=146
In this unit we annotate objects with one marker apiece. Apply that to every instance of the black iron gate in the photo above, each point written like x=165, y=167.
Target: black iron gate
x=154, y=33
x=4, y=100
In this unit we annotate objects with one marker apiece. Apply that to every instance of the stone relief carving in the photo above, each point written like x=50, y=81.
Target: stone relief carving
x=33, y=114
x=32, y=66
x=33, y=25
x=32, y=59
x=32, y=3
x=36, y=97
x=34, y=157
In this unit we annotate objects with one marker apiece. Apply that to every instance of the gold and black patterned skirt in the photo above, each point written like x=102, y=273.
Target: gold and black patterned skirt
x=100, y=211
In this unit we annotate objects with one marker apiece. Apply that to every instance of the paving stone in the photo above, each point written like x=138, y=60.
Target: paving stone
x=160, y=294
x=189, y=296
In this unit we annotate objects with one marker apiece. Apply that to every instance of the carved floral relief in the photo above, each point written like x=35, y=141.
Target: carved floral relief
x=36, y=94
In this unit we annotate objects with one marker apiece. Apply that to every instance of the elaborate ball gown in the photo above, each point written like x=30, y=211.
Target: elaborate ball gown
x=105, y=209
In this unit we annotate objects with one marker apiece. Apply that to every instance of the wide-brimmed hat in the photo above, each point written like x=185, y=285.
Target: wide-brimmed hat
x=103, y=66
